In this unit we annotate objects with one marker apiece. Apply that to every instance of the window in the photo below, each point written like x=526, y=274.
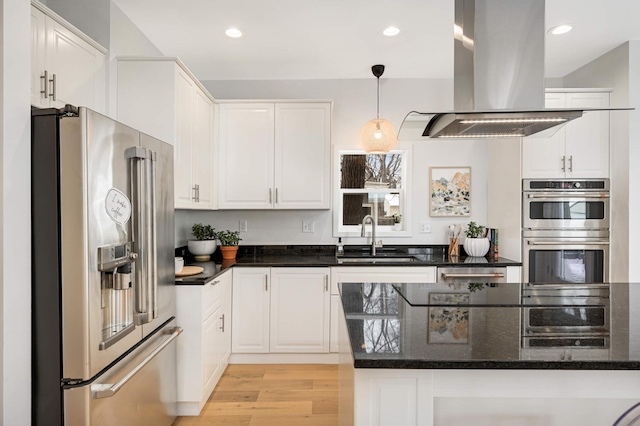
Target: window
x=371, y=184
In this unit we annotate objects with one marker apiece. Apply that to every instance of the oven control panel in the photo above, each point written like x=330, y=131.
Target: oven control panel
x=565, y=185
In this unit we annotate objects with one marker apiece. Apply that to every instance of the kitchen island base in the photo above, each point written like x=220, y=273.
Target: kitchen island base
x=485, y=397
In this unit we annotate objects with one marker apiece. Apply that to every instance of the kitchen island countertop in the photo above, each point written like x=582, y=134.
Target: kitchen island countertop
x=385, y=331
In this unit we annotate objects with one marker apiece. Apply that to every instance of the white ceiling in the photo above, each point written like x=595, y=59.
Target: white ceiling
x=328, y=39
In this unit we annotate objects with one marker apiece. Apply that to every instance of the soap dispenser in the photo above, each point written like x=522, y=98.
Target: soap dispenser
x=339, y=248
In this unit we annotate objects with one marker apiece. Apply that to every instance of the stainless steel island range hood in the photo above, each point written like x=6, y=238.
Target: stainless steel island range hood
x=498, y=75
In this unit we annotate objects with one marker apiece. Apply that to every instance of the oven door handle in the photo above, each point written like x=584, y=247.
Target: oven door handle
x=567, y=243
x=494, y=275
x=568, y=196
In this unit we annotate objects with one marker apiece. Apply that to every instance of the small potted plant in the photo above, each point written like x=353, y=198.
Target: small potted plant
x=397, y=222
x=476, y=244
x=205, y=242
x=229, y=243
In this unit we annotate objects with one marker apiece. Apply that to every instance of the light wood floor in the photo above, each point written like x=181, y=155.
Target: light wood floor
x=282, y=395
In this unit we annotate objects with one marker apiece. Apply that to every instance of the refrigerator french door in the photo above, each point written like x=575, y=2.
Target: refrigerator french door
x=103, y=276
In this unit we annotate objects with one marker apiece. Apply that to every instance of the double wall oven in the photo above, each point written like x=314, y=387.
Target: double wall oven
x=565, y=231
x=565, y=265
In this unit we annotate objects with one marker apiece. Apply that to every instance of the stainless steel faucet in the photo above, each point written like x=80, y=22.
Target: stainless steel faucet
x=373, y=232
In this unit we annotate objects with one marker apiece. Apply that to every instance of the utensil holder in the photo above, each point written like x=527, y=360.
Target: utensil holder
x=454, y=248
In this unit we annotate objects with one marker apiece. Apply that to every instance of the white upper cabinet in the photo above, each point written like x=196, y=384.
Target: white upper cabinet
x=67, y=67
x=161, y=97
x=274, y=155
x=580, y=149
x=246, y=156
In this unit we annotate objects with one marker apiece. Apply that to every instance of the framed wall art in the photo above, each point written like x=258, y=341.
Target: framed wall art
x=450, y=191
x=448, y=324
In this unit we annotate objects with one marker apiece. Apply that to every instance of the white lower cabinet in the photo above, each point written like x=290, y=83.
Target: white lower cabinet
x=280, y=310
x=204, y=312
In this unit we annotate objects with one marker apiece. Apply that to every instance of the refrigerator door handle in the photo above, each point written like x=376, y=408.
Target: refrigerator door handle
x=107, y=390
x=143, y=175
x=153, y=248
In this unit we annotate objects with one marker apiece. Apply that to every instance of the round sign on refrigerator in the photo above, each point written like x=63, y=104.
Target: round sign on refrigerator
x=118, y=206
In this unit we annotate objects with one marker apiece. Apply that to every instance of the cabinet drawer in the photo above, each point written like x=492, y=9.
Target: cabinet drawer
x=211, y=298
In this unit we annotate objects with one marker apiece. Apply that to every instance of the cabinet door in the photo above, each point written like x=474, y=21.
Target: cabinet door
x=302, y=155
x=587, y=146
x=203, y=150
x=334, y=337
x=183, y=143
x=300, y=310
x=223, y=343
x=246, y=156
x=250, y=311
x=38, y=39
x=211, y=354
x=77, y=66
x=542, y=155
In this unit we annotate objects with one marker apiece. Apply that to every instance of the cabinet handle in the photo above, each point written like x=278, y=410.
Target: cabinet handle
x=222, y=326
x=215, y=282
x=270, y=201
x=195, y=193
x=266, y=286
x=276, y=195
x=45, y=77
x=563, y=163
x=571, y=163
x=53, y=81
x=326, y=283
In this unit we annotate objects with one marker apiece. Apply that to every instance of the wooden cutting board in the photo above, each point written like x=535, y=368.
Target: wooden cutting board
x=190, y=270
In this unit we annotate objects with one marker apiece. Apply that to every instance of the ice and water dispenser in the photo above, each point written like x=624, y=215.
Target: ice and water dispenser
x=115, y=263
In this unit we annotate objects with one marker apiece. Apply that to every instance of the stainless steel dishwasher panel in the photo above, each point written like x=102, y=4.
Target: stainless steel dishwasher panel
x=468, y=275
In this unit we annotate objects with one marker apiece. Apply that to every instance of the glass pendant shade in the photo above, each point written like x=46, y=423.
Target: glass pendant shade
x=378, y=136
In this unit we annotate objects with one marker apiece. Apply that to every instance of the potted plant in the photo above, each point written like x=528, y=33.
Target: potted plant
x=397, y=219
x=229, y=243
x=475, y=244
x=205, y=241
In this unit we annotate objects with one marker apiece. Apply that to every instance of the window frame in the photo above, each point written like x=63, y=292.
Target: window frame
x=341, y=230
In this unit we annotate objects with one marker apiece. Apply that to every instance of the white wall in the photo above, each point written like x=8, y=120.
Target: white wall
x=15, y=208
x=354, y=103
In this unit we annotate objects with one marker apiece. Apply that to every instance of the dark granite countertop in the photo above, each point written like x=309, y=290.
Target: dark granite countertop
x=414, y=326
x=310, y=256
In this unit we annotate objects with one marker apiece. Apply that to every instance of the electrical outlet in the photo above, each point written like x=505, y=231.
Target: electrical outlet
x=425, y=227
x=242, y=226
x=308, y=226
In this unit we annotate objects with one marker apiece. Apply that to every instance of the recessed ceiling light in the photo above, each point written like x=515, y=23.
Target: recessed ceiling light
x=560, y=29
x=233, y=33
x=391, y=31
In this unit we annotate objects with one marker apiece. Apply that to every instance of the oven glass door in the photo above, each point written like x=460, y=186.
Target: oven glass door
x=548, y=212
x=562, y=262
x=564, y=318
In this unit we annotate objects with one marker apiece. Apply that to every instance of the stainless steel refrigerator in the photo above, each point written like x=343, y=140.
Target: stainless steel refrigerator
x=103, y=312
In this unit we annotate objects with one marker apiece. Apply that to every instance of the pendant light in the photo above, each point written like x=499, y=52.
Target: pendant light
x=378, y=136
